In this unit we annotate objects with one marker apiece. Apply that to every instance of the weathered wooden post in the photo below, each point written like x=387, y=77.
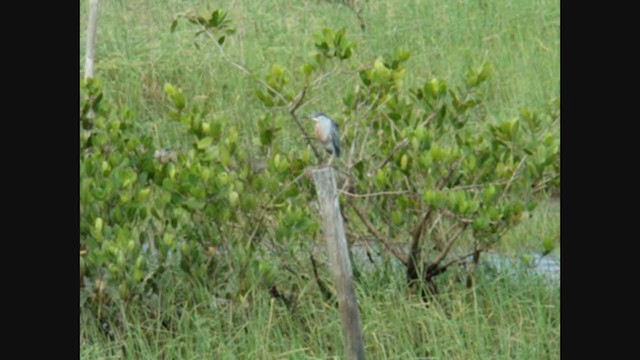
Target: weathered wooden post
x=333, y=229
x=92, y=29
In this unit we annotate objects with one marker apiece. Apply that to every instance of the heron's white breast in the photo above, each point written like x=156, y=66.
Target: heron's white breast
x=323, y=129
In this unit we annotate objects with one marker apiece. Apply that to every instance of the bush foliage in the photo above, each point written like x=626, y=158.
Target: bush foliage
x=425, y=175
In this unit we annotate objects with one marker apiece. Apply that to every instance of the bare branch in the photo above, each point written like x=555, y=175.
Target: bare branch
x=513, y=176
x=544, y=182
x=382, y=193
x=479, y=186
x=399, y=146
x=462, y=258
x=414, y=249
x=464, y=220
x=447, y=248
x=378, y=235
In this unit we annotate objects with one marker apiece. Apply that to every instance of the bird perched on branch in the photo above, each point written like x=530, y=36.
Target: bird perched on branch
x=327, y=132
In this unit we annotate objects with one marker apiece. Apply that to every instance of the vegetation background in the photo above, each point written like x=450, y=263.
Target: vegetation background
x=229, y=297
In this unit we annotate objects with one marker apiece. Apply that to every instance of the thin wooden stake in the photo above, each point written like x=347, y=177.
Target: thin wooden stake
x=91, y=39
x=333, y=229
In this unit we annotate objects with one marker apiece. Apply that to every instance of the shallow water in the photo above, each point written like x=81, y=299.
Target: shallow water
x=543, y=265
x=548, y=266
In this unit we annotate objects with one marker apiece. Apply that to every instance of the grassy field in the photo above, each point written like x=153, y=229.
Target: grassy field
x=137, y=54
x=503, y=317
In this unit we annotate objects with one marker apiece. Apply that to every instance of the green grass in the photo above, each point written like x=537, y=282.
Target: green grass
x=528, y=237
x=504, y=317
x=137, y=54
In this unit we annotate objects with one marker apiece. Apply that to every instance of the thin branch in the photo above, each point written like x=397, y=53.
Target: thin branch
x=437, y=240
x=414, y=250
x=447, y=248
x=382, y=193
x=323, y=76
x=513, y=176
x=464, y=220
x=479, y=186
x=429, y=118
x=542, y=184
x=461, y=258
x=292, y=112
x=324, y=290
x=399, y=146
x=298, y=101
x=377, y=235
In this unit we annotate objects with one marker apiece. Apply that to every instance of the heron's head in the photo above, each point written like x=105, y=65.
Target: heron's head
x=318, y=116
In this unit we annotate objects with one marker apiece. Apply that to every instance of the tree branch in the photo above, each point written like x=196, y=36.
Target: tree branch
x=382, y=193
x=447, y=248
x=399, y=146
x=378, y=235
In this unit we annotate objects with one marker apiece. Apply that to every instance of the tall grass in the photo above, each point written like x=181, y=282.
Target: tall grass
x=137, y=54
x=503, y=317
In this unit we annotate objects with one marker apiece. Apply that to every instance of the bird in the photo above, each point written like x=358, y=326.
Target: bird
x=327, y=132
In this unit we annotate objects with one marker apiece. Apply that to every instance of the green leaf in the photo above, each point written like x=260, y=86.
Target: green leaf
x=204, y=143
x=472, y=79
x=402, y=55
x=404, y=161
x=489, y=193
x=214, y=20
x=547, y=245
x=169, y=89
x=266, y=137
x=233, y=198
x=179, y=100
x=143, y=194
x=168, y=239
x=397, y=218
x=216, y=131
x=429, y=197
x=194, y=204
x=481, y=222
x=327, y=34
x=266, y=99
x=174, y=23
x=307, y=69
x=98, y=225
x=129, y=177
x=381, y=178
x=347, y=54
x=486, y=71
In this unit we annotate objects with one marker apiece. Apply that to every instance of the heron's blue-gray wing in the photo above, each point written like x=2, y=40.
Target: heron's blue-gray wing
x=335, y=138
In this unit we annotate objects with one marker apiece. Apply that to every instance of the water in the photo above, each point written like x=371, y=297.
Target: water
x=547, y=266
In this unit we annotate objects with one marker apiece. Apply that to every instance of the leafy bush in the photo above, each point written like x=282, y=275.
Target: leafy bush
x=424, y=174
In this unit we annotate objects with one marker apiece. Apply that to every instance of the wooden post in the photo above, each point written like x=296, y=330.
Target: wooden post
x=333, y=230
x=91, y=39
x=92, y=29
